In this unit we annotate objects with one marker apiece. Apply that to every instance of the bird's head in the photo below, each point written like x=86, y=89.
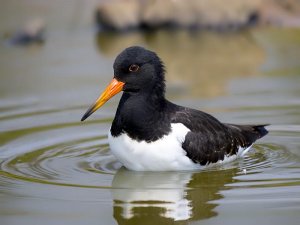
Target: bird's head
x=136, y=71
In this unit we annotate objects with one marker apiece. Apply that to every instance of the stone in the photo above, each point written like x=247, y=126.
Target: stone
x=118, y=15
x=221, y=15
x=127, y=14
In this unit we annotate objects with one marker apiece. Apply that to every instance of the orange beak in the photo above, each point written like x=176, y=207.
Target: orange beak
x=112, y=89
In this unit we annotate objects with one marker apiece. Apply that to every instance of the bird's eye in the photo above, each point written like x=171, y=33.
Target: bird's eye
x=133, y=68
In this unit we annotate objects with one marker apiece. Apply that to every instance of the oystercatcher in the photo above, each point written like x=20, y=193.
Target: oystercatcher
x=149, y=133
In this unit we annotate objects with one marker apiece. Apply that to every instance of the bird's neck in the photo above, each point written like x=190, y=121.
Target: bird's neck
x=142, y=116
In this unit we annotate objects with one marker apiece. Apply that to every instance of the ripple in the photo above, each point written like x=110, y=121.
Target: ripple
x=72, y=154
x=74, y=164
x=268, y=165
x=86, y=161
x=58, y=153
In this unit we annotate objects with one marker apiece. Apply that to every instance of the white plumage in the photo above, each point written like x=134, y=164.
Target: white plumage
x=165, y=154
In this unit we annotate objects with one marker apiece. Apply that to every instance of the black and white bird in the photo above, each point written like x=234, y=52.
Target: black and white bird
x=149, y=133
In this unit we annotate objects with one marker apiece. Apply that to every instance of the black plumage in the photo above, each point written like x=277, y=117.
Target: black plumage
x=145, y=115
x=208, y=141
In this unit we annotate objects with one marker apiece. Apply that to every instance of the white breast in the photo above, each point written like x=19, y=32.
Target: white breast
x=165, y=154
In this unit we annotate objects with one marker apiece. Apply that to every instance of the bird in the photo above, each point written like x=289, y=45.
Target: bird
x=150, y=133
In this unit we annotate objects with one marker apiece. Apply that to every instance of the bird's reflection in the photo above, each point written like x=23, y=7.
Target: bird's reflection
x=167, y=197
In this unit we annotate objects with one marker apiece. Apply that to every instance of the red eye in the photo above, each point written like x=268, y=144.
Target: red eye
x=133, y=68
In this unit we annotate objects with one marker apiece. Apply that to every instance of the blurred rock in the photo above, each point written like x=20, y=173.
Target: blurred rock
x=214, y=14
x=195, y=13
x=280, y=13
x=118, y=15
x=32, y=32
x=208, y=14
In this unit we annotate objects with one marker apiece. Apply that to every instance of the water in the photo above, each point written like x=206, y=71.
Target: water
x=57, y=170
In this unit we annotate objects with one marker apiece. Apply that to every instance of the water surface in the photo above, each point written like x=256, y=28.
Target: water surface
x=55, y=169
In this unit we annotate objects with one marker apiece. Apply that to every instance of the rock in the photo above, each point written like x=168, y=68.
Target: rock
x=280, y=13
x=126, y=14
x=195, y=13
x=118, y=14
x=209, y=14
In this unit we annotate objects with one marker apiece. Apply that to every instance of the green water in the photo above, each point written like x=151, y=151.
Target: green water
x=57, y=170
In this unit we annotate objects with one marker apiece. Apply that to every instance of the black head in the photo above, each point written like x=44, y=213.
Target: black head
x=140, y=69
x=137, y=71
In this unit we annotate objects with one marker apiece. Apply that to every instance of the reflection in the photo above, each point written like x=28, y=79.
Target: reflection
x=167, y=197
x=201, y=61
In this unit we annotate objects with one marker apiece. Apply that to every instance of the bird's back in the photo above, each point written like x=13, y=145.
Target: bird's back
x=209, y=140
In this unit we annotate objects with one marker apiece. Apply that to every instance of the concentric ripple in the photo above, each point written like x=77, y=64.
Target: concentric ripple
x=56, y=158
x=70, y=164
x=273, y=164
x=74, y=154
x=68, y=154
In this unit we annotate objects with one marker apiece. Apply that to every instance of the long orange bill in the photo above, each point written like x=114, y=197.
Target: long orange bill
x=112, y=89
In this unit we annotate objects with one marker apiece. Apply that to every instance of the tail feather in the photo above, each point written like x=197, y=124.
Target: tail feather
x=248, y=134
x=261, y=130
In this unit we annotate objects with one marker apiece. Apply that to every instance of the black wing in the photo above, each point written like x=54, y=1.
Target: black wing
x=210, y=140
